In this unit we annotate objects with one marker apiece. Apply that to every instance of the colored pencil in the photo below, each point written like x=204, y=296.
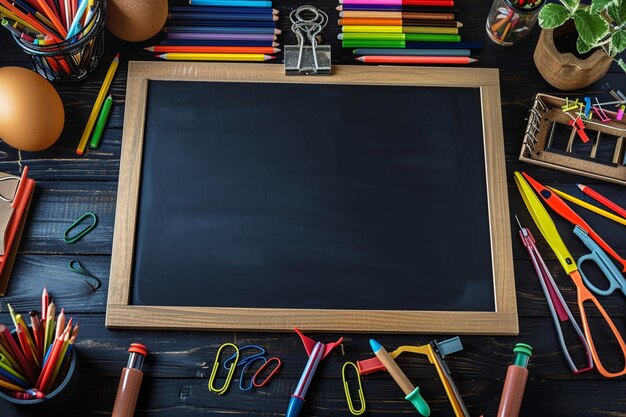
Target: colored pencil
x=188, y=42
x=50, y=321
x=12, y=379
x=213, y=49
x=221, y=16
x=400, y=29
x=215, y=57
x=589, y=206
x=102, y=120
x=231, y=3
x=4, y=351
x=95, y=111
x=205, y=29
x=75, y=26
x=412, y=52
x=224, y=9
x=393, y=8
x=355, y=21
x=602, y=199
x=221, y=37
x=439, y=3
x=11, y=387
x=17, y=353
x=8, y=370
x=361, y=43
x=224, y=23
x=409, y=37
x=45, y=301
x=372, y=14
x=35, y=324
x=47, y=11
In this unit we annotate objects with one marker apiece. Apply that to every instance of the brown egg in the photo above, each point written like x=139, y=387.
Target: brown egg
x=31, y=111
x=136, y=20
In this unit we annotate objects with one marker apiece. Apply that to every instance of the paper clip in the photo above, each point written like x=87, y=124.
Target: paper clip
x=216, y=366
x=83, y=233
x=346, y=388
x=569, y=107
x=247, y=359
x=601, y=113
x=270, y=376
x=75, y=266
x=245, y=368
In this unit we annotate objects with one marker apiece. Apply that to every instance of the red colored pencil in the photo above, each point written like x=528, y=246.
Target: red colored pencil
x=428, y=60
x=213, y=49
x=45, y=300
x=16, y=352
x=602, y=199
x=21, y=336
x=48, y=369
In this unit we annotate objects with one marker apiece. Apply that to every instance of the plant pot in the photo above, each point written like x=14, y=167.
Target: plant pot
x=564, y=70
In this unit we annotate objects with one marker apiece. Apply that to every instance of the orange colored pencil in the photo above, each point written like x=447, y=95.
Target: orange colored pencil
x=213, y=49
x=30, y=20
x=53, y=18
x=423, y=60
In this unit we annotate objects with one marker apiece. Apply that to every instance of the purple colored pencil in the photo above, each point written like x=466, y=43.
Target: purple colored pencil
x=220, y=36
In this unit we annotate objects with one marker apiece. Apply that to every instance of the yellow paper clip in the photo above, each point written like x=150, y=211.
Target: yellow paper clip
x=216, y=367
x=569, y=107
x=347, y=390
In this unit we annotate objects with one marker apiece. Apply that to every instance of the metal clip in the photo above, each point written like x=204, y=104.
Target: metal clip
x=307, y=24
x=270, y=376
x=216, y=366
x=346, y=388
x=83, y=233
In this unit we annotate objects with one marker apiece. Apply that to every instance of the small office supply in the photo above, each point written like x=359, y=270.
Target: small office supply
x=551, y=142
x=95, y=111
x=412, y=393
x=375, y=14
x=130, y=382
x=213, y=49
x=602, y=200
x=549, y=231
x=16, y=195
x=248, y=364
x=176, y=56
x=102, y=120
x=600, y=258
x=91, y=221
x=240, y=360
x=397, y=37
x=255, y=378
x=316, y=351
x=398, y=22
x=400, y=29
x=439, y=3
x=588, y=206
x=412, y=52
x=231, y=369
x=346, y=388
x=515, y=382
x=92, y=282
x=558, y=307
x=419, y=60
x=308, y=57
x=231, y=3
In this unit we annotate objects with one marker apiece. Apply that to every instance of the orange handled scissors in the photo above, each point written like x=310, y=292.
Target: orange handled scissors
x=550, y=233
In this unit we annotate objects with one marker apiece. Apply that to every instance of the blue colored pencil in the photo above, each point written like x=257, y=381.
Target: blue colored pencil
x=411, y=52
x=221, y=16
x=224, y=9
x=217, y=43
x=224, y=23
x=203, y=29
x=237, y=3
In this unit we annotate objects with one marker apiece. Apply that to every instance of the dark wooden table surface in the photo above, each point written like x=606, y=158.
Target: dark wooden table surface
x=176, y=371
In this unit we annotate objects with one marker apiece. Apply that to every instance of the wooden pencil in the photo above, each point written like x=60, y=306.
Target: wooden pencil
x=376, y=14
x=213, y=49
x=419, y=60
x=400, y=29
x=215, y=57
x=365, y=21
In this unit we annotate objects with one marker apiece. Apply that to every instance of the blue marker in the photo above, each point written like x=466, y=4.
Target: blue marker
x=316, y=351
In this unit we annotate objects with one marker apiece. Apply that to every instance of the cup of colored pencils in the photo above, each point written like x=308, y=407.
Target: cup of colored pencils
x=38, y=363
x=64, y=38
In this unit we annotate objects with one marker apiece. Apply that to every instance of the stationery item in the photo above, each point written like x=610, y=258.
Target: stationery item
x=412, y=393
x=401, y=29
x=515, y=382
x=221, y=30
x=413, y=45
x=600, y=258
x=224, y=9
x=221, y=36
x=231, y=3
x=355, y=21
x=602, y=199
x=317, y=351
x=404, y=37
x=588, y=206
x=307, y=58
x=175, y=56
x=373, y=14
x=438, y=3
x=416, y=60
x=346, y=389
x=225, y=23
x=563, y=210
x=509, y=22
x=187, y=42
x=93, y=282
x=130, y=382
x=547, y=228
x=231, y=370
x=81, y=234
x=199, y=15
x=213, y=49
x=558, y=307
x=549, y=141
x=392, y=7
x=243, y=373
x=76, y=23
x=102, y=120
x=95, y=111
x=255, y=378
x=242, y=361
x=412, y=52
x=15, y=197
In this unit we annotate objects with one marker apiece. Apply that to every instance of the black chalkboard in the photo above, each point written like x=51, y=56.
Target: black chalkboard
x=313, y=196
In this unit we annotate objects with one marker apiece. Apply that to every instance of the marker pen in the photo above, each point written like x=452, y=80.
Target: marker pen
x=130, y=382
x=515, y=382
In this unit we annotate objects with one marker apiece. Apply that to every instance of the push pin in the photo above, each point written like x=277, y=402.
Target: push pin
x=312, y=59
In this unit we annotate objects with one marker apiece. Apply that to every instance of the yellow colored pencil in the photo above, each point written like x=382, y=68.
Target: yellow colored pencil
x=7, y=385
x=400, y=29
x=589, y=207
x=95, y=111
x=180, y=56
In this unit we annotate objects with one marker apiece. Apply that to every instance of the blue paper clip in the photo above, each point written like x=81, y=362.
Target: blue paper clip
x=247, y=359
x=245, y=368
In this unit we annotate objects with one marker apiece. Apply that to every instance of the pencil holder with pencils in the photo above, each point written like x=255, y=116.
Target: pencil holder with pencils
x=510, y=21
x=64, y=45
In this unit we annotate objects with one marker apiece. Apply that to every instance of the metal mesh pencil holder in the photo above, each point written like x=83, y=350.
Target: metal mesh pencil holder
x=74, y=58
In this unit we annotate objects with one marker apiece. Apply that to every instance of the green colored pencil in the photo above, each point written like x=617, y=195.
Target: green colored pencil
x=412, y=52
x=409, y=37
x=102, y=120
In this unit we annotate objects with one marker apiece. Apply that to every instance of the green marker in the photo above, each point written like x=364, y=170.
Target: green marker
x=102, y=120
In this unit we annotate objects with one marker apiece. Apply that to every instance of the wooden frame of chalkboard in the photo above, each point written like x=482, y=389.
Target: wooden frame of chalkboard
x=122, y=314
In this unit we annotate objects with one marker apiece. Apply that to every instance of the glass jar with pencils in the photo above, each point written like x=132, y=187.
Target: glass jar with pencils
x=65, y=41
x=510, y=21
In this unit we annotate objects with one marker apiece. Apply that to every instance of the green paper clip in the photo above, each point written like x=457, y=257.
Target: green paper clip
x=347, y=390
x=216, y=367
x=75, y=266
x=83, y=233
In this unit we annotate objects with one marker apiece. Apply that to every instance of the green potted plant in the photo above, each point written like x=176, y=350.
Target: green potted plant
x=579, y=41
